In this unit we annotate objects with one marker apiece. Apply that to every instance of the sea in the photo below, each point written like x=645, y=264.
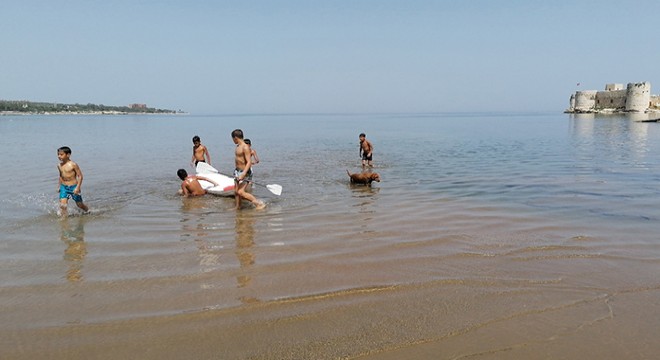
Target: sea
x=490, y=235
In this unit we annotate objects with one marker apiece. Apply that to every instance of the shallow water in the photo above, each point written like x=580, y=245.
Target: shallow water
x=491, y=235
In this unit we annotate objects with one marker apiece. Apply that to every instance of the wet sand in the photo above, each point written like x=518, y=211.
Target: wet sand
x=519, y=295
x=469, y=318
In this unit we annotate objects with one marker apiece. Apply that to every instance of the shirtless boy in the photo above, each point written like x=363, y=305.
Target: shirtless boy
x=243, y=171
x=200, y=152
x=366, y=149
x=70, y=181
x=253, y=152
x=190, y=185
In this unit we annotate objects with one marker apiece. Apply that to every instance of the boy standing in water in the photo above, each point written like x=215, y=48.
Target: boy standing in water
x=366, y=148
x=253, y=152
x=70, y=181
x=200, y=152
x=243, y=172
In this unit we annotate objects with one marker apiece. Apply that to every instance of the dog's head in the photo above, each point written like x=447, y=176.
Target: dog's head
x=374, y=177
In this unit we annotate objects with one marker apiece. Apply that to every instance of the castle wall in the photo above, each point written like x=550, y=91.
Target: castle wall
x=611, y=99
x=655, y=101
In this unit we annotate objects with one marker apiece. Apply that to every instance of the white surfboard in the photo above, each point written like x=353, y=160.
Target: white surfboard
x=225, y=183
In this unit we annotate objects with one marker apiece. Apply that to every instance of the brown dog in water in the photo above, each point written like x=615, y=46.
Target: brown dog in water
x=363, y=178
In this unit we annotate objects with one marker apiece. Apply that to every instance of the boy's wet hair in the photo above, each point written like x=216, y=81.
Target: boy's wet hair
x=65, y=149
x=182, y=174
x=362, y=135
x=247, y=141
x=196, y=139
x=238, y=133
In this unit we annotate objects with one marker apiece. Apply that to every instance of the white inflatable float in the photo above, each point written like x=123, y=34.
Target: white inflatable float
x=225, y=183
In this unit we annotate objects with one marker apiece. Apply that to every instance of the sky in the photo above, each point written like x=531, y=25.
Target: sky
x=333, y=56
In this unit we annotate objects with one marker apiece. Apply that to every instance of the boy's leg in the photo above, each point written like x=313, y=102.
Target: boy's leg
x=237, y=192
x=63, y=208
x=79, y=201
x=258, y=204
x=242, y=192
x=82, y=206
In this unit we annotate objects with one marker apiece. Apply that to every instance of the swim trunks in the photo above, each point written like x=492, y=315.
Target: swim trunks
x=365, y=157
x=66, y=191
x=199, y=161
x=238, y=173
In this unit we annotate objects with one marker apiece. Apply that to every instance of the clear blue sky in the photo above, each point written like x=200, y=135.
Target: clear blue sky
x=325, y=56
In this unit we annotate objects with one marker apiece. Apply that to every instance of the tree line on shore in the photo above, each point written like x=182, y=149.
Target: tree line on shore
x=43, y=108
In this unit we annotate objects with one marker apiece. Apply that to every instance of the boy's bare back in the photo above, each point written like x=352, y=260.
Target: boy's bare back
x=191, y=186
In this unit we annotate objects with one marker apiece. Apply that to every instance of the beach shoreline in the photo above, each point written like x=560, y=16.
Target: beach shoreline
x=75, y=113
x=420, y=321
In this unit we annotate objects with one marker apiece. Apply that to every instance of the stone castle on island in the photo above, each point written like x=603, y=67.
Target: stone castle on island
x=634, y=98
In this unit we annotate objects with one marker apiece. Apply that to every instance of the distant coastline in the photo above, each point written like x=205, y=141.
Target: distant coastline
x=24, y=107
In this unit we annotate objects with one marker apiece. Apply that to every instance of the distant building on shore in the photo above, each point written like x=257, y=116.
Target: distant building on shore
x=635, y=98
x=137, y=106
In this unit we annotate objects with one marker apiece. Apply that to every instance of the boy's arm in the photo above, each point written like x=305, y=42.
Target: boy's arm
x=184, y=189
x=79, y=178
x=208, y=156
x=207, y=179
x=59, y=178
x=256, y=158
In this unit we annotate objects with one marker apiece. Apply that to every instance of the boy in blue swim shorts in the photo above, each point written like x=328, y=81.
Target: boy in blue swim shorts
x=70, y=181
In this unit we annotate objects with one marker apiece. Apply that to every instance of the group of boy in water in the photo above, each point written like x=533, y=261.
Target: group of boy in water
x=243, y=160
x=71, y=177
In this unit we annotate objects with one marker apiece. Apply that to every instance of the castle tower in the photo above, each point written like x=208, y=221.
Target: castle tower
x=585, y=101
x=638, y=96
